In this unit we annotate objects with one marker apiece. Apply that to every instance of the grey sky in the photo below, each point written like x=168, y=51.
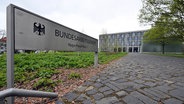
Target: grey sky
x=91, y=17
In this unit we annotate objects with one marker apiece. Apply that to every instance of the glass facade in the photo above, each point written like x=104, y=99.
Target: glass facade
x=124, y=42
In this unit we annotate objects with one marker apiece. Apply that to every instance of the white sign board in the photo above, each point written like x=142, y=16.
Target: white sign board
x=33, y=32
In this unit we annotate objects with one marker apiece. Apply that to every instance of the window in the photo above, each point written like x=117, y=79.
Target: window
x=133, y=43
x=136, y=43
x=139, y=42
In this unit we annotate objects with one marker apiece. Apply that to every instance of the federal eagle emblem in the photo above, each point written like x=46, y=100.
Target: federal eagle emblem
x=38, y=28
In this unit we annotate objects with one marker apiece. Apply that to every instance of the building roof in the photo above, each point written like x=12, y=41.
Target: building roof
x=125, y=32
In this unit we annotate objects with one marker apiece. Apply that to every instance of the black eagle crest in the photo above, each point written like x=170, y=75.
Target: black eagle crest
x=39, y=28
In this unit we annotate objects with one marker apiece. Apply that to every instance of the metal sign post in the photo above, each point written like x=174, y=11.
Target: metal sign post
x=96, y=59
x=10, y=51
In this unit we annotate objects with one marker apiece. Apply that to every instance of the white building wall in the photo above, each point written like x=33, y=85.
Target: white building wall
x=125, y=41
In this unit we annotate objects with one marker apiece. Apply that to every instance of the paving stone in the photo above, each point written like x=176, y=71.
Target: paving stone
x=104, y=75
x=155, y=91
x=129, y=99
x=139, y=81
x=150, y=95
x=98, y=96
x=155, y=94
x=103, y=78
x=94, y=78
x=143, y=98
x=82, y=97
x=70, y=96
x=118, y=103
x=170, y=82
x=146, y=79
x=108, y=92
x=105, y=81
x=160, y=83
x=81, y=88
x=173, y=101
x=89, y=88
x=88, y=83
x=130, y=89
x=112, y=87
x=103, y=89
x=114, y=78
x=139, y=86
x=108, y=100
x=178, y=93
x=59, y=102
x=92, y=92
x=98, y=85
x=121, y=93
x=123, y=85
x=174, y=86
x=98, y=80
x=131, y=78
x=180, y=84
x=163, y=88
x=121, y=80
x=150, y=84
x=87, y=102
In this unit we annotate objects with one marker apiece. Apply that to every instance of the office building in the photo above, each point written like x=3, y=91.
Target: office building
x=122, y=42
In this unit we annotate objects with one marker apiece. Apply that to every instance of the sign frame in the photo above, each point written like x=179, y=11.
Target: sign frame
x=65, y=38
x=11, y=44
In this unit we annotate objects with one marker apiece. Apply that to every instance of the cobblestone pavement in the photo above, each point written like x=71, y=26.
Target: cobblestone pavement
x=134, y=79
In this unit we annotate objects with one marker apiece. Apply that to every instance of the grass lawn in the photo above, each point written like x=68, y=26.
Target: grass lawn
x=171, y=54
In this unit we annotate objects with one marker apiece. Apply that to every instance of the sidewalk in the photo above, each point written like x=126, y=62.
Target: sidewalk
x=134, y=79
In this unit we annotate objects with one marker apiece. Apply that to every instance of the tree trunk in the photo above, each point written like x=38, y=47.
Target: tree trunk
x=163, y=48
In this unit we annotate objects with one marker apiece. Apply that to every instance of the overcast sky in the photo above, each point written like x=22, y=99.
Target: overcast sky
x=92, y=17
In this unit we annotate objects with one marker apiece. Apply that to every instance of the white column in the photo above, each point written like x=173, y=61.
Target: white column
x=141, y=47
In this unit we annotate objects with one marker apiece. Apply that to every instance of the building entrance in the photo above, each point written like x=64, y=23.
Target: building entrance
x=130, y=49
x=135, y=49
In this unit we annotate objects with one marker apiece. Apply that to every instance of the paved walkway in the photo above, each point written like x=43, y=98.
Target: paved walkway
x=134, y=79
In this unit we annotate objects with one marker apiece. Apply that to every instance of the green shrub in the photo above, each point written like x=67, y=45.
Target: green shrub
x=44, y=84
x=42, y=65
x=20, y=77
x=45, y=73
x=74, y=75
x=2, y=78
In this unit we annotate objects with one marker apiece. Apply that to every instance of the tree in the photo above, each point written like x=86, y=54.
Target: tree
x=158, y=34
x=105, y=42
x=167, y=13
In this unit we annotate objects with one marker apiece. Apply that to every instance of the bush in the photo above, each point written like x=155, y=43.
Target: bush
x=44, y=84
x=45, y=73
x=2, y=78
x=74, y=75
x=43, y=65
